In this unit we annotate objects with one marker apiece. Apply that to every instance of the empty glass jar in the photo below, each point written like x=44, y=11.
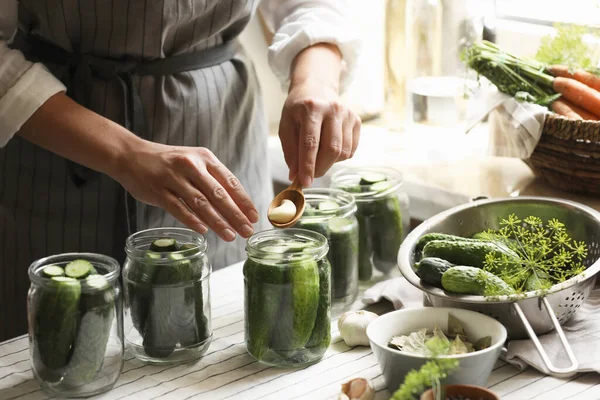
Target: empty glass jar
x=75, y=324
x=382, y=214
x=330, y=212
x=167, y=298
x=287, y=281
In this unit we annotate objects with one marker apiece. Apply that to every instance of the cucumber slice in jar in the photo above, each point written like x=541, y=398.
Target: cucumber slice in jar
x=52, y=271
x=164, y=245
x=370, y=178
x=328, y=205
x=78, y=269
x=381, y=186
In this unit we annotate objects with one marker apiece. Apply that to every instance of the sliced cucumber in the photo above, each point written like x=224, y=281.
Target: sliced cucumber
x=328, y=205
x=93, y=271
x=164, y=245
x=370, y=178
x=381, y=186
x=78, y=269
x=52, y=271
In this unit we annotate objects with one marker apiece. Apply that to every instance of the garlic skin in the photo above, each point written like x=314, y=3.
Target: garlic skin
x=357, y=389
x=283, y=213
x=353, y=327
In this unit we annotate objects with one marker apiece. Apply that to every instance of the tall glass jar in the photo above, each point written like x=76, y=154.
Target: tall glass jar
x=167, y=298
x=74, y=309
x=330, y=212
x=382, y=214
x=287, y=281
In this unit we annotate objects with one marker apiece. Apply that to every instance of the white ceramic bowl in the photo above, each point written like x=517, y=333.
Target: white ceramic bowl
x=474, y=368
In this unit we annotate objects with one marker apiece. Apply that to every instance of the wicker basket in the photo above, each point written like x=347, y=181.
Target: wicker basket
x=568, y=155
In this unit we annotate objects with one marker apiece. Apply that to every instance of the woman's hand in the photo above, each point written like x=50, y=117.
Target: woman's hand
x=192, y=185
x=316, y=128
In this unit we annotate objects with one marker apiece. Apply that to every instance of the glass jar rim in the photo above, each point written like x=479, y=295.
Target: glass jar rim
x=254, y=250
x=148, y=235
x=107, y=262
x=394, y=177
x=347, y=208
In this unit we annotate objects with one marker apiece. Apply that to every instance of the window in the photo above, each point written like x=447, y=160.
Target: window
x=584, y=12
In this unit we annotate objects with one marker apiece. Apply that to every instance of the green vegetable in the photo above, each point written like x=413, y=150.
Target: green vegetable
x=545, y=249
x=537, y=282
x=328, y=205
x=387, y=221
x=305, y=300
x=97, y=310
x=55, y=327
x=366, y=233
x=370, y=178
x=429, y=237
x=471, y=280
x=264, y=294
x=164, y=245
x=472, y=254
x=321, y=333
x=526, y=80
x=431, y=269
x=52, y=271
x=568, y=47
x=78, y=269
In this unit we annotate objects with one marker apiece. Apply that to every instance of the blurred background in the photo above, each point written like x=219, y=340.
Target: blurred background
x=420, y=106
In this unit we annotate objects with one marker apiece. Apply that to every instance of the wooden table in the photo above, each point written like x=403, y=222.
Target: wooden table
x=228, y=372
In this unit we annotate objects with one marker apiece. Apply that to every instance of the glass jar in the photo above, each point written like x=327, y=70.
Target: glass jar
x=382, y=214
x=287, y=282
x=330, y=212
x=74, y=310
x=167, y=296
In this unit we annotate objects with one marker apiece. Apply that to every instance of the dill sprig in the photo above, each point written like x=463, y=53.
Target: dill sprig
x=428, y=376
x=547, y=254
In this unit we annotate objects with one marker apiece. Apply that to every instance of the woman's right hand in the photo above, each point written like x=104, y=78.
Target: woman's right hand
x=192, y=185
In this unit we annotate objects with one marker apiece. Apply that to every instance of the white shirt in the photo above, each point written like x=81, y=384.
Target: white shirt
x=297, y=24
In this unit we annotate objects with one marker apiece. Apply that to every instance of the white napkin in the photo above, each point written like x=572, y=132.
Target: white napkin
x=582, y=332
x=515, y=128
x=397, y=290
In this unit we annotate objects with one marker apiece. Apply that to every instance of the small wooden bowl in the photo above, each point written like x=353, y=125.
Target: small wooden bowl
x=467, y=391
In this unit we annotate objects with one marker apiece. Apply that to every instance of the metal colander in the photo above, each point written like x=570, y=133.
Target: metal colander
x=523, y=315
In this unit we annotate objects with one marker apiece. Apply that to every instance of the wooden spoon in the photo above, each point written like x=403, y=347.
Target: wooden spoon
x=295, y=195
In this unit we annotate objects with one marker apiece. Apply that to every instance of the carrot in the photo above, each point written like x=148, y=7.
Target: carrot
x=568, y=109
x=578, y=93
x=562, y=108
x=587, y=78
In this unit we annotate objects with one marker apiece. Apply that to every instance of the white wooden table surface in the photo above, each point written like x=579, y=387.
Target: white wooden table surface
x=227, y=372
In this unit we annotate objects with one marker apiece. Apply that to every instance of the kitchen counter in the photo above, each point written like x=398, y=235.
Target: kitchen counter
x=227, y=371
x=441, y=169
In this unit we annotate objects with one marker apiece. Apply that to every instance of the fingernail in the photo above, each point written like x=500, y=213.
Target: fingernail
x=253, y=215
x=228, y=235
x=247, y=231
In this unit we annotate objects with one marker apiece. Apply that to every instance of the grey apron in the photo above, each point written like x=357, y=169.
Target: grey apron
x=48, y=207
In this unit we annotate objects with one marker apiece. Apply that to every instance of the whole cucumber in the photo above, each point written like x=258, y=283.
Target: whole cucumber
x=305, y=300
x=471, y=253
x=431, y=269
x=321, y=333
x=430, y=237
x=471, y=280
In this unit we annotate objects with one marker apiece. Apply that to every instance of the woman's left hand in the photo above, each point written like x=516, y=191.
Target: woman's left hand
x=317, y=129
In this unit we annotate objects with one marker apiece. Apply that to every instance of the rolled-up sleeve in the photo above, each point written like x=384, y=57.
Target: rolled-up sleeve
x=298, y=24
x=24, y=86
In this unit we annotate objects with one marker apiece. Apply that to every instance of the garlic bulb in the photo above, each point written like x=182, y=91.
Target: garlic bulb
x=357, y=389
x=285, y=212
x=353, y=327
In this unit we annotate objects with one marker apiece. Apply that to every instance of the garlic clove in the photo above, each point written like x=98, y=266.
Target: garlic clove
x=283, y=213
x=353, y=327
x=357, y=389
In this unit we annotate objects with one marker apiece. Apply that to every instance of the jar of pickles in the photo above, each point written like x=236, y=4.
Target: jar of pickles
x=287, y=281
x=382, y=214
x=330, y=212
x=167, y=298
x=75, y=324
